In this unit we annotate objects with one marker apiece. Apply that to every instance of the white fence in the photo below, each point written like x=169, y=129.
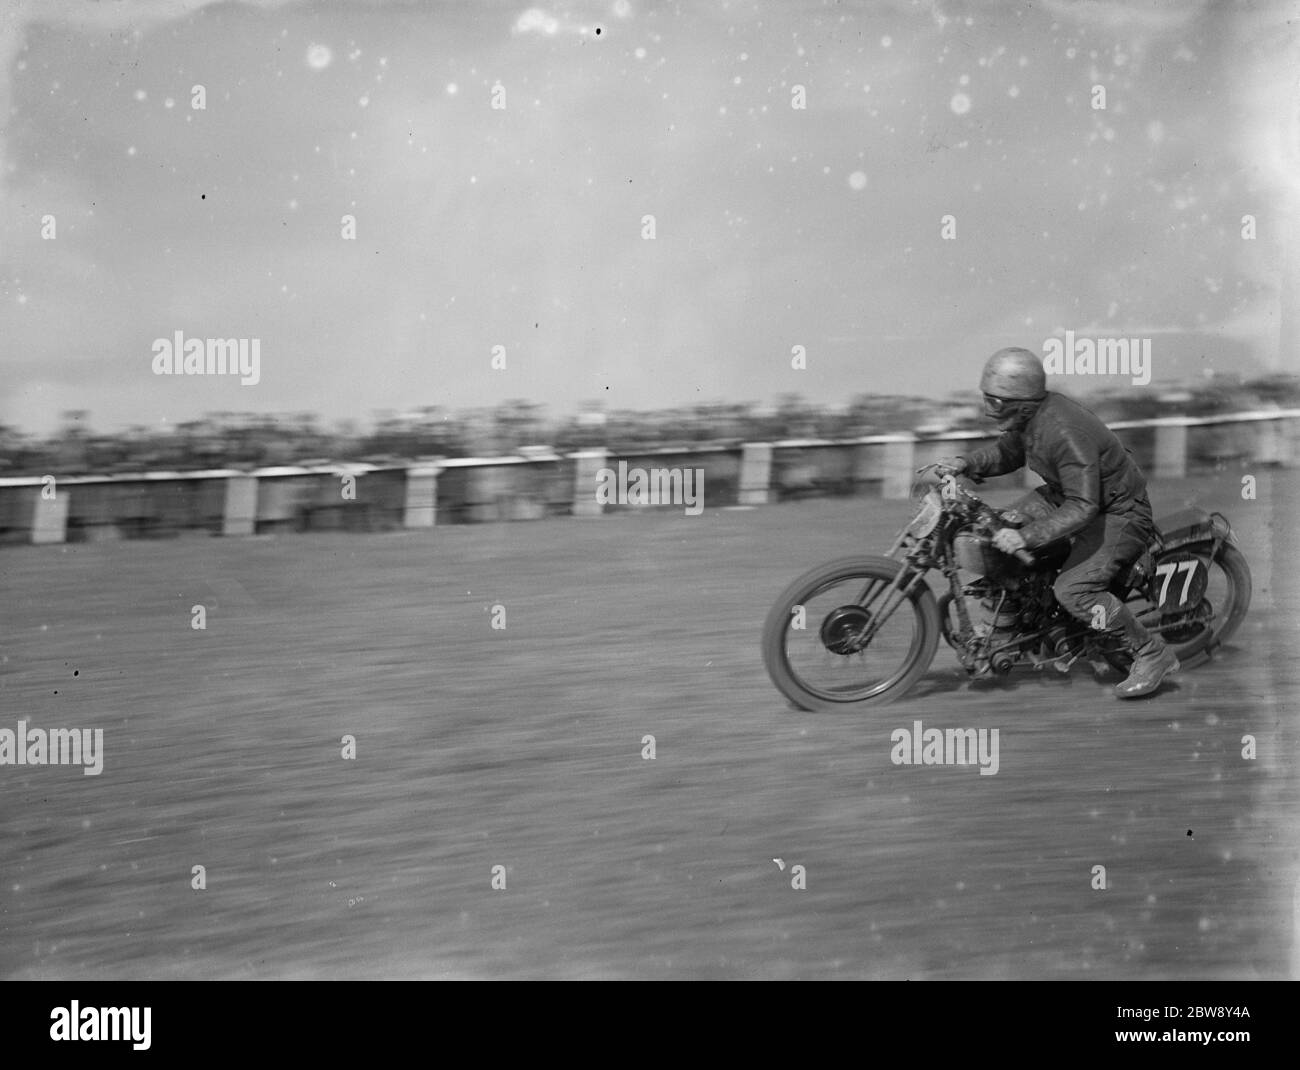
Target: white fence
x=51, y=509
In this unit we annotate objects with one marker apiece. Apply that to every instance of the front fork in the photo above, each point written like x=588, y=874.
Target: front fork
x=895, y=594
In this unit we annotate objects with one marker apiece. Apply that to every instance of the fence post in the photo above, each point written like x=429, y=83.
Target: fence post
x=240, y=515
x=1171, y=449
x=755, y=473
x=1273, y=443
x=1289, y=430
x=421, y=506
x=588, y=464
x=50, y=517
x=899, y=466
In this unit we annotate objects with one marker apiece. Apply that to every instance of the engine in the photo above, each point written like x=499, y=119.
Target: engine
x=975, y=553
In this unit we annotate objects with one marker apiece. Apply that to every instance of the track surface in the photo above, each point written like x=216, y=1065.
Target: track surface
x=522, y=748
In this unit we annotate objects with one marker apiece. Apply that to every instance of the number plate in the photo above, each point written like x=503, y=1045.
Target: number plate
x=1179, y=581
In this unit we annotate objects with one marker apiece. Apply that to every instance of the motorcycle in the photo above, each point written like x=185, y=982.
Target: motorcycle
x=862, y=631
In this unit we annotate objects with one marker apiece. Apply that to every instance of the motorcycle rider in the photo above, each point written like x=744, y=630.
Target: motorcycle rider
x=1094, y=494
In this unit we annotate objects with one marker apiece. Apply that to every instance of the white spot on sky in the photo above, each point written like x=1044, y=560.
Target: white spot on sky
x=858, y=180
x=364, y=102
x=535, y=20
x=1014, y=91
x=964, y=80
x=1155, y=131
x=639, y=53
x=960, y=103
x=140, y=94
x=169, y=103
x=452, y=89
x=886, y=41
x=319, y=57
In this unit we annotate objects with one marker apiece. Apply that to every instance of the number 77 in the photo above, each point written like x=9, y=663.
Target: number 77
x=1168, y=570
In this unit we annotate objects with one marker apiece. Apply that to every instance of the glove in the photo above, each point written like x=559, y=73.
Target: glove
x=950, y=466
x=1008, y=540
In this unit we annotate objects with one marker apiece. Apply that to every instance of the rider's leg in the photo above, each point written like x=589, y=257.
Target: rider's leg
x=1099, y=552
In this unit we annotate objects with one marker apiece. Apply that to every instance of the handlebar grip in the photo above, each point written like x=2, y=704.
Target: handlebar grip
x=1024, y=557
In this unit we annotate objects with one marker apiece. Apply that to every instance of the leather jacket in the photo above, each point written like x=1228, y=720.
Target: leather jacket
x=1087, y=470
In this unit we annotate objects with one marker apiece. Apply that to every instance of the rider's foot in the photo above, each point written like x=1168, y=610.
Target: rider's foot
x=1154, y=661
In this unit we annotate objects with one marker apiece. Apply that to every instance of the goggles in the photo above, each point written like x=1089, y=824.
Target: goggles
x=996, y=406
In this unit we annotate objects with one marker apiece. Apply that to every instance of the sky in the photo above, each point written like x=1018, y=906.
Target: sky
x=523, y=225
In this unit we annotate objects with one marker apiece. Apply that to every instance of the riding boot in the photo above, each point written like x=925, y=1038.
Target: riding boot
x=1152, y=660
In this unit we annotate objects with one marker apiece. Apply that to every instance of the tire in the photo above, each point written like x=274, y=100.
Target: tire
x=1232, y=563
x=1229, y=612
x=919, y=608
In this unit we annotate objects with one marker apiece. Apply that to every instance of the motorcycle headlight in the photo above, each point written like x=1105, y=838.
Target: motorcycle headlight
x=927, y=519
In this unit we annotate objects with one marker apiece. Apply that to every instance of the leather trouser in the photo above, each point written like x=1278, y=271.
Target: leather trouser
x=1098, y=553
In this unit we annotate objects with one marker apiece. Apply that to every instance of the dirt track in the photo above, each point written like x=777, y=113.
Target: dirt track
x=522, y=748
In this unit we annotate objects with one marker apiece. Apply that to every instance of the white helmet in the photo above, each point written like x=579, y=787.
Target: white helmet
x=1013, y=384
x=1014, y=375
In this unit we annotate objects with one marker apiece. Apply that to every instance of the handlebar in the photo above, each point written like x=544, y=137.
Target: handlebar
x=950, y=477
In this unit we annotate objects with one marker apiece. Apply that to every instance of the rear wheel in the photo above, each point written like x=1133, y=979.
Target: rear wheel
x=1197, y=601
x=838, y=638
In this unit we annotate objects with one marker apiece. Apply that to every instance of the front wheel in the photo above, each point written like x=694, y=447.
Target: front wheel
x=843, y=636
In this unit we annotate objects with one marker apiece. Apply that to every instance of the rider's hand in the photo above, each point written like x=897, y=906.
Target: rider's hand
x=1011, y=516
x=954, y=466
x=1009, y=540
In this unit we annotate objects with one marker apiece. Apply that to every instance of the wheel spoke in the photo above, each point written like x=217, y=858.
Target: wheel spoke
x=858, y=670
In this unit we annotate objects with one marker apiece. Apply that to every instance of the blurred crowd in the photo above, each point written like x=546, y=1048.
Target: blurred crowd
x=244, y=441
